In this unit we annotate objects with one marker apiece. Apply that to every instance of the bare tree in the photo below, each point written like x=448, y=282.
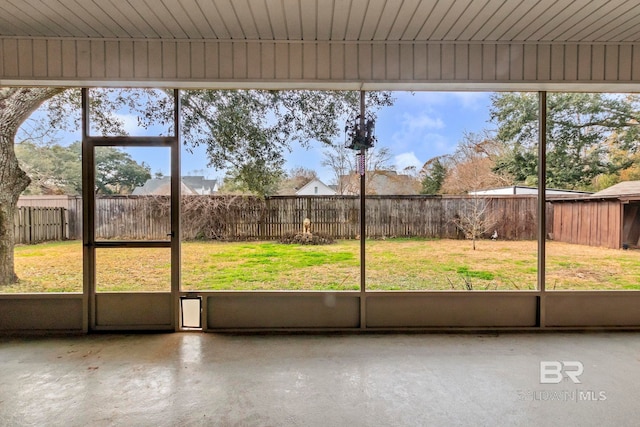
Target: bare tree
x=470, y=168
x=470, y=172
x=343, y=162
x=340, y=160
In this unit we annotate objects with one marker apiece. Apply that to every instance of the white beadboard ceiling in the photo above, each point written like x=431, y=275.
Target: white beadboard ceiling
x=547, y=21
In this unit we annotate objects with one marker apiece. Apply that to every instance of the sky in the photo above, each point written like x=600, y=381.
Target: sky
x=418, y=127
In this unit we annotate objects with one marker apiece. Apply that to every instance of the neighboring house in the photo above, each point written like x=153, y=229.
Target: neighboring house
x=315, y=187
x=191, y=185
x=381, y=182
x=519, y=189
x=201, y=185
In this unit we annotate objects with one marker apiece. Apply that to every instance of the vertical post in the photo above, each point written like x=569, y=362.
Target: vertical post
x=175, y=210
x=542, y=202
x=363, y=227
x=88, y=219
x=64, y=235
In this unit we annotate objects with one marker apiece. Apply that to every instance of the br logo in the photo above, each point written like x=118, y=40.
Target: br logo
x=553, y=371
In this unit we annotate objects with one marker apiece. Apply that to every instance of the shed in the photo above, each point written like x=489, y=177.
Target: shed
x=608, y=218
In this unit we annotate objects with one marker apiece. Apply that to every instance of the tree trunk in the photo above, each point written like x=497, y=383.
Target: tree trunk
x=16, y=105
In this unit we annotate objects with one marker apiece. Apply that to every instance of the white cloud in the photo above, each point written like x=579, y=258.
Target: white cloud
x=130, y=123
x=405, y=160
x=412, y=129
x=472, y=100
x=422, y=121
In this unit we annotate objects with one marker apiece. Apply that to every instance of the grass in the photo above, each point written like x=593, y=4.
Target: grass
x=393, y=264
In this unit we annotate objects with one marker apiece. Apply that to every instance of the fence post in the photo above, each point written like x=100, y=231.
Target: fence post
x=262, y=231
x=63, y=223
x=30, y=222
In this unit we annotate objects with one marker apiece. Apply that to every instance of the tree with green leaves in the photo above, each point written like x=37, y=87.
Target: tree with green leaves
x=57, y=169
x=584, y=130
x=52, y=168
x=434, y=173
x=117, y=172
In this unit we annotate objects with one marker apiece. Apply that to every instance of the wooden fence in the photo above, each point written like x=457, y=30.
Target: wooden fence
x=248, y=218
x=73, y=205
x=40, y=224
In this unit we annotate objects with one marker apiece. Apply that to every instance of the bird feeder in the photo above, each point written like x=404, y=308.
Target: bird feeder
x=359, y=133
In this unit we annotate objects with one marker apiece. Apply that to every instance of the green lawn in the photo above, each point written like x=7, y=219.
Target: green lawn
x=394, y=264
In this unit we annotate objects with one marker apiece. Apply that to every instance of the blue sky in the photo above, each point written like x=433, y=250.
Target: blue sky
x=416, y=128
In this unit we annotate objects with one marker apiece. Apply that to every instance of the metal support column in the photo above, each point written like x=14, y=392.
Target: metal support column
x=176, y=196
x=542, y=202
x=363, y=225
x=88, y=219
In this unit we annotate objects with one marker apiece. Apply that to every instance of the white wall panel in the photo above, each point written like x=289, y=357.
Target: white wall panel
x=530, y=72
x=337, y=62
x=461, y=62
x=154, y=65
x=126, y=58
x=351, y=62
x=25, y=58
x=54, y=57
x=254, y=58
x=169, y=60
x=225, y=60
x=112, y=60
x=557, y=62
x=503, y=62
x=626, y=56
x=221, y=63
x=447, y=62
x=597, y=62
x=419, y=61
x=516, y=62
x=296, y=61
x=83, y=65
x=323, y=61
x=571, y=62
x=183, y=63
x=635, y=63
x=488, y=62
x=584, y=62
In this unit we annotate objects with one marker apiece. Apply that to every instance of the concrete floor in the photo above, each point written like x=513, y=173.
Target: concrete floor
x=318, y=380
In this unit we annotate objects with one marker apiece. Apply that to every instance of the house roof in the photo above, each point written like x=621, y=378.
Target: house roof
x=622, y=189
x=315, y=182
x=191, y=185
x=384, y=182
